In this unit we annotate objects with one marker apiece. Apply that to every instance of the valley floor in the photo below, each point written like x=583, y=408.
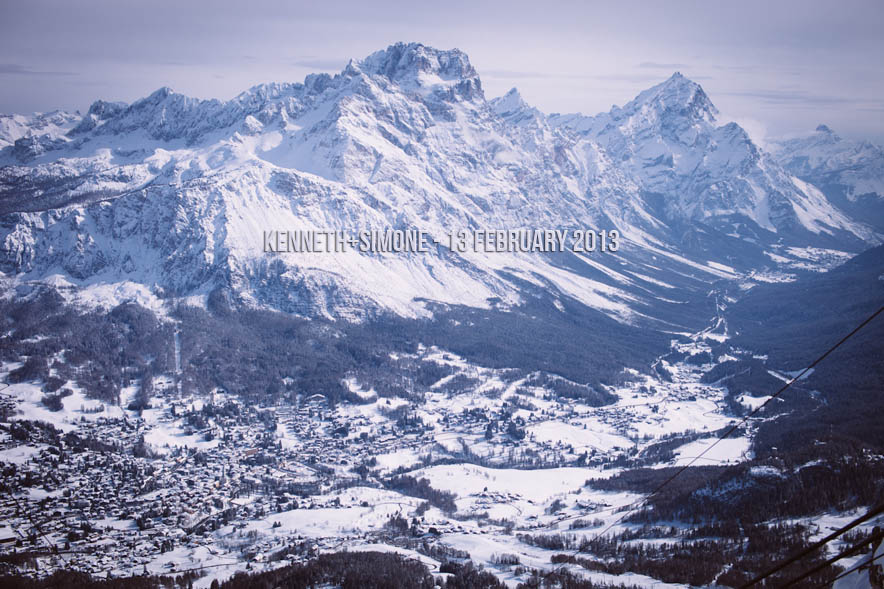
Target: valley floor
x=213, y=486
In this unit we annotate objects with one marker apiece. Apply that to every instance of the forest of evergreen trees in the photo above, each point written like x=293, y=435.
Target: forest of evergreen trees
x=266, y=357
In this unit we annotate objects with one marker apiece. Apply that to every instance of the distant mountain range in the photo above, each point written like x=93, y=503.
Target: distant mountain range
x=169, y=196
x=850, y=173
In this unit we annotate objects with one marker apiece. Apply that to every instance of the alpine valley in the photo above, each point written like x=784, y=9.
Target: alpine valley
x=182, y=405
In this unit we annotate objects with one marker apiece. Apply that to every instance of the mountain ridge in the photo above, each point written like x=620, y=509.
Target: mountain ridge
x=171, y=193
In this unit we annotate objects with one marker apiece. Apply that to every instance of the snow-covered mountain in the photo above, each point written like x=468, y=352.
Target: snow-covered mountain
x=851, y=173
x=169, y=196
x=669, y=141
x=44, y=126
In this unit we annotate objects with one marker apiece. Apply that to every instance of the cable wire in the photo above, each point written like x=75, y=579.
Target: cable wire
x=816, y=546
x=843, y=554
x=857, y=567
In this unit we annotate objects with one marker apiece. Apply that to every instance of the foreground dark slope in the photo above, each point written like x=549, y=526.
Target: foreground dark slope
x=777, y=330
x=817, y=448
x=792, y=324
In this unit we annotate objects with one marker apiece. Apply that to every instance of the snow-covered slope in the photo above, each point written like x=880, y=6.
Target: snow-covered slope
x=174, y=193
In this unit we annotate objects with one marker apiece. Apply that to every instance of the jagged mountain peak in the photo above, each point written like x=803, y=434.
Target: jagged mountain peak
x=403, y=60
x=510, y=102
x=53, y=123
x=824, y=134
x=166, y=97
x=677, y=108
x=512, y=106
x=845, y=169
x=513, y=109
x=99, y=111
x=417, y=65
x=103, y=108
x=160, y=94
x=676, y=96
x=668, y=139
x=677, y=111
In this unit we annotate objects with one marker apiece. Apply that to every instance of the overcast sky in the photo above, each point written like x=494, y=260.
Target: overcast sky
x=776, y=67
